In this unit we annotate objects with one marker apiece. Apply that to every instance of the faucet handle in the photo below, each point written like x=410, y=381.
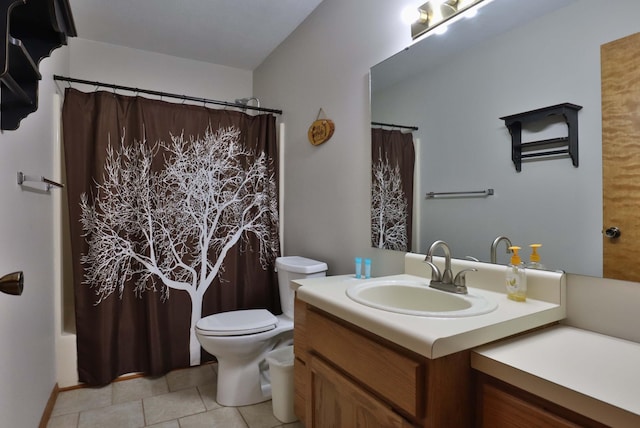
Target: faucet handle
x=436, y=276
x=461, y=277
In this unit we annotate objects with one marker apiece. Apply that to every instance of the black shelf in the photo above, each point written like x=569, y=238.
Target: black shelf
x=543, y=148
x=32, y=30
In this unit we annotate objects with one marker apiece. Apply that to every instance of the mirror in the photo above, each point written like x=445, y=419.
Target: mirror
x=514, y=56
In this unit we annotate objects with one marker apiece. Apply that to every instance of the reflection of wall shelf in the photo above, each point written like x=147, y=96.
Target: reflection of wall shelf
x=544, y=148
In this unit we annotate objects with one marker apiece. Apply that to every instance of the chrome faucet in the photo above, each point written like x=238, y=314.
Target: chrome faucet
x=494, y=247
x=445, y=281
x=447, y=275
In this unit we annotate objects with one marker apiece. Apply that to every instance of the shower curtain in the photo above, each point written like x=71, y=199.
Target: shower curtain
x=173, y=216
x=392, y=165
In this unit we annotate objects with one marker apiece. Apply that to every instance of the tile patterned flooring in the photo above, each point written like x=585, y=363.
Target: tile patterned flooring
x=181, y=399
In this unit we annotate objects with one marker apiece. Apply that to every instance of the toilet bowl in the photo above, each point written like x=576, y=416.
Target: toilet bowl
x=240, y=340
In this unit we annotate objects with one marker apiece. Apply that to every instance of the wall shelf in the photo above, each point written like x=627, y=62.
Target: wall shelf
x=32, y=29
x=544, y=148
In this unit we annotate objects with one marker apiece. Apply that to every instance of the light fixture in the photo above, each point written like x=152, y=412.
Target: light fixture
x=437, y=12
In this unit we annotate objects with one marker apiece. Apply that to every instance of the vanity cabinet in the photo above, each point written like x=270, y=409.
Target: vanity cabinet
x=347, y=376
x=500, y=405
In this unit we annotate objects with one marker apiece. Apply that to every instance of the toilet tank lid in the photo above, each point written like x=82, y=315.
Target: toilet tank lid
x=300, y=264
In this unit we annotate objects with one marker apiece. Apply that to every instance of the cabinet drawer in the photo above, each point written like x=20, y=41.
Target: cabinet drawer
x=500, y=404
x=394, y=376
x=501, y=409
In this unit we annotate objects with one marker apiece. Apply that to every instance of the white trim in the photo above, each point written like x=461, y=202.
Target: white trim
x=417, y=200
x=281, y=147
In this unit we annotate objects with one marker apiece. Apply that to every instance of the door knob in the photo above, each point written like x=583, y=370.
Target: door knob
x=12, y=283
x=612, y=232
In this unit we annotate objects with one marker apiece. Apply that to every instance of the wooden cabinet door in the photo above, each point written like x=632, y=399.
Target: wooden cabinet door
x=336, y=402
x=501, y=405
x=503, y=410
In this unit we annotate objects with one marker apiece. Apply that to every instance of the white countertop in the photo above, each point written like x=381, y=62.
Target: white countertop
x=592, y=374
x=429, y=336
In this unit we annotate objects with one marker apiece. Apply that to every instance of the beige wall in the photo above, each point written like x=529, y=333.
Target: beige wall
x=141, y=69
x=325, y=64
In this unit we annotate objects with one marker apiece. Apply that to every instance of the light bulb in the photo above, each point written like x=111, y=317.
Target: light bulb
x=410, y=15
x=471, y=13
x=441, y=29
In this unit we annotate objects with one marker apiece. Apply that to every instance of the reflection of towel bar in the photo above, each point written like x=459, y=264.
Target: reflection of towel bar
x=478, y=193
x=49, y=183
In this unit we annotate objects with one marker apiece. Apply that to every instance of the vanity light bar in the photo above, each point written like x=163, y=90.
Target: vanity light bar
x=437, y=12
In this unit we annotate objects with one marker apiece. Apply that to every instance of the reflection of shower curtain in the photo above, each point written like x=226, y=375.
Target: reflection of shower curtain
x=174, y=216
x=392, y=160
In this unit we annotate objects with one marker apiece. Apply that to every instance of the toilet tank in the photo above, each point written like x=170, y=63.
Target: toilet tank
x=295, y=267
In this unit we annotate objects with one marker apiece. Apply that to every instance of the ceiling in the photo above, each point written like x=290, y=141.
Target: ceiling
x=234, y=33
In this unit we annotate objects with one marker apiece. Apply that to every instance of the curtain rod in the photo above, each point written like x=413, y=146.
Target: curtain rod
x=164, y=94
x=392, y=125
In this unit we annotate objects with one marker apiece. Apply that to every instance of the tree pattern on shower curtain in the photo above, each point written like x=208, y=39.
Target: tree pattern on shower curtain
x=212, y=193
x=389, y=206
x=392, y=166
x=173, y=216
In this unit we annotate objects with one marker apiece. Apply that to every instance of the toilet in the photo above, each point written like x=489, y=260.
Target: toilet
x=240, y=340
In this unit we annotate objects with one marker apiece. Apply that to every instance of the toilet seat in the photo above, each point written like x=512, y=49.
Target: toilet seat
x=237, y=323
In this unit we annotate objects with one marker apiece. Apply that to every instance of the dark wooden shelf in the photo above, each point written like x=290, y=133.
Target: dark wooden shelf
x=32, y=30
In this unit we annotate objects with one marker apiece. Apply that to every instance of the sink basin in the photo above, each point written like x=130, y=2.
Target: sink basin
x=416, y=298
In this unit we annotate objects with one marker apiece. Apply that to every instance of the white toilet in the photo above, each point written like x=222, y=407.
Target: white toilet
x=241, y=339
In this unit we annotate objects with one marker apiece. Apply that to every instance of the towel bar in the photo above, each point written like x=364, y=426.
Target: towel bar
x=40, y=179
x=479, y=193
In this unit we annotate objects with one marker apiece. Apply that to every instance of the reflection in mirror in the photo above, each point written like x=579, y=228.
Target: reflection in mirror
x=514, y=56
x=392, y=166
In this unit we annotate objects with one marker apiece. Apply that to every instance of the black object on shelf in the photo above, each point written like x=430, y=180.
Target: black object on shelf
x=544, y=148
x=32, y=29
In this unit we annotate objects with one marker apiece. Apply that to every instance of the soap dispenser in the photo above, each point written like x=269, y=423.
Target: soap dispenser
x=516, y=278
x=534, y=258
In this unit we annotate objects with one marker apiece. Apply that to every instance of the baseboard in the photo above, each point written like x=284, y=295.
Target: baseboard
x=48, y=410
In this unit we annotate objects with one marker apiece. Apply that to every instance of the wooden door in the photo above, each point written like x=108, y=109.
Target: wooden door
x=620, y=67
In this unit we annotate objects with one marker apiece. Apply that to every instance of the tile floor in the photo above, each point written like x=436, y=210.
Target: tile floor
x=181, y=399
